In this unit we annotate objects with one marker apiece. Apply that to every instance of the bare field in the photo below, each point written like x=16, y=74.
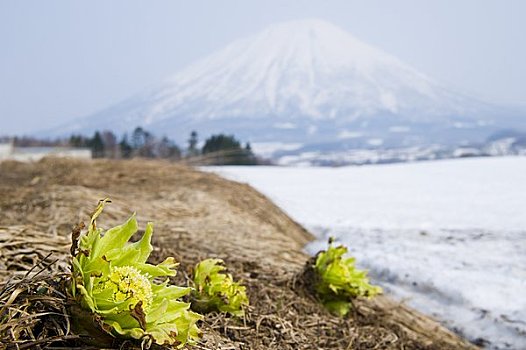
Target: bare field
x=198, y=215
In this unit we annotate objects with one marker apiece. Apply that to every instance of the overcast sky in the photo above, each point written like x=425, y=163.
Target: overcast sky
x=60, y=60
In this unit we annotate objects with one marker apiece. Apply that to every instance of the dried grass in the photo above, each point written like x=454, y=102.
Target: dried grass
x=33, y=267
x=197, y=216
x=24, y=247
x=33, y=312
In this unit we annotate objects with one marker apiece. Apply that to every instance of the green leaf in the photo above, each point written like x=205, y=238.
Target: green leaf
x=115, y=238
x=138, y=251
x=169, y=292
x=135, y=333
x=87, y=299
x=216, y=290
x=339, y=281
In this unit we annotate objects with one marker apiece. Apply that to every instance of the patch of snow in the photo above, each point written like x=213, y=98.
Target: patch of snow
x=460, y=125
x=485, y=122
x=399, y=129
x=502, y=146
x=284, y=125
x=266, y=149
x=346, y=134
x=312, y=129
x=389, y=101
x=375, y=142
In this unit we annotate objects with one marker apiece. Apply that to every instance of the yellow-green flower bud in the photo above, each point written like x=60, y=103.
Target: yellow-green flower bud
x=128, y=284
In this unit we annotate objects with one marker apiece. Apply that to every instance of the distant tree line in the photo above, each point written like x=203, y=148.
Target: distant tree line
x=218, y=149
x=29, y=141
x=226, y=150
x=141, y=143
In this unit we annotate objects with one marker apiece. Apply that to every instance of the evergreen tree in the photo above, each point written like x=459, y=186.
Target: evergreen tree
x=192, y=144
x=137, y=138
x=125, y=147
x=217, y=143
x=76, y=141
x=143, y=143
x=97, y=146
x=226, y=150
x=148, y=148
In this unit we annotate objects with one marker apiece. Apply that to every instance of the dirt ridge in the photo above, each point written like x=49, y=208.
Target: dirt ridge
x=199, y=215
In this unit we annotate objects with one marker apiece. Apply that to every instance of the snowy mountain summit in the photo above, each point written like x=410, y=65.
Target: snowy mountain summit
x=308, y=83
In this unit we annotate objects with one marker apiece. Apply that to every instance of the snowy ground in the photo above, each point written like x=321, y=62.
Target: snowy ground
x=449, y=237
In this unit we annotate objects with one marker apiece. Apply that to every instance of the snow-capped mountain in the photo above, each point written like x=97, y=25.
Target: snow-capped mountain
x=306, y=82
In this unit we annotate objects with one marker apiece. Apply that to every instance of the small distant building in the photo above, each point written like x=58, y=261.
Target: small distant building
x=6, y=149
x=33, y=154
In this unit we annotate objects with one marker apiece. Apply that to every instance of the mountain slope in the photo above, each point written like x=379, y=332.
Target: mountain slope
x=302, y=81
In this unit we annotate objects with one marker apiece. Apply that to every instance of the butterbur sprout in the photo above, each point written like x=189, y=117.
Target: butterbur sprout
x=338, y=281
x=112, y=281
x=215, y=290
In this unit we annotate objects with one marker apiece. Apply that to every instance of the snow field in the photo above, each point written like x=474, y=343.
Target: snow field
x=447, y=237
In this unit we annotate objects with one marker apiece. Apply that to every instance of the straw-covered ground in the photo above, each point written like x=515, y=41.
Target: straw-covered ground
x=196, y=215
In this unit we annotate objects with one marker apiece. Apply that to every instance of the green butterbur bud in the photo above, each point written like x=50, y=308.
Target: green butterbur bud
x=128, y=284
x=215, y=290
x=113, y=282
x=338, y=281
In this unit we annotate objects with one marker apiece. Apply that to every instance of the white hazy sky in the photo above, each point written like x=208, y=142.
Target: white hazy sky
x=61, y=60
